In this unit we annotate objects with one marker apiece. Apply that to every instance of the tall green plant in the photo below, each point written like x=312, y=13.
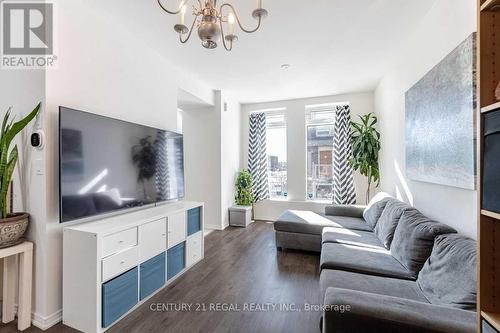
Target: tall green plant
x=244, y=195
x=365, y=149
x=8, y=160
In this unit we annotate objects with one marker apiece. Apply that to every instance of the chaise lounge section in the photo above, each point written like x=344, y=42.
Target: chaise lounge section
x=398, y=270
x=302, y=230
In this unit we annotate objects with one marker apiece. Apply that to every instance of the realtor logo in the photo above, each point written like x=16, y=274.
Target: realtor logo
x=27, y=34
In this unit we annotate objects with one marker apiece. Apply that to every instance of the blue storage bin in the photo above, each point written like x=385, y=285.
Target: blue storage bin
x=118, y=296
x=152, y=275
x=194, y=220
x=176, y=260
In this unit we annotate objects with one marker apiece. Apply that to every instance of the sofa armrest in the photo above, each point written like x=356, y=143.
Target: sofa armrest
x=366, y=312
x=345, y=210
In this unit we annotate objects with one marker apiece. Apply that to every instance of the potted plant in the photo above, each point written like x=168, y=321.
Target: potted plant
x=241, y=215
x=12, y=225
x=365, y=148
x=244, y=183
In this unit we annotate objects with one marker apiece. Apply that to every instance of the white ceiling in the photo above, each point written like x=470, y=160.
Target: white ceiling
x=333, y=46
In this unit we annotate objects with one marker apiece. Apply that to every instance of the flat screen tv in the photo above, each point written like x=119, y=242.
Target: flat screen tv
x=108, y=165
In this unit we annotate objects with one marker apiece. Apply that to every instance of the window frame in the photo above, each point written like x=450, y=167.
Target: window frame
x=314, y=122
x=283, y=125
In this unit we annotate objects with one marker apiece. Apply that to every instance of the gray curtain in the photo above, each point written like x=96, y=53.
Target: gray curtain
x=343, y=183
x=257, y=155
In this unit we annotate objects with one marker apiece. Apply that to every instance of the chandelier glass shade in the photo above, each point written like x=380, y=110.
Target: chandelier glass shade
x=213, y=24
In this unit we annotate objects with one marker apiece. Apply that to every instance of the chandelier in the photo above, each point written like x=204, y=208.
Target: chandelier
x=211, y=23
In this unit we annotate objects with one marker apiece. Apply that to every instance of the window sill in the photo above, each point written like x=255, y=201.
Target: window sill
x=278, y=199
x=323, y=202
x=320, y=201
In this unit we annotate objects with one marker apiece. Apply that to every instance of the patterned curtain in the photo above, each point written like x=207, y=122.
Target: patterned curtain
x=343, y=183
x=257, y=155
x=161, y=170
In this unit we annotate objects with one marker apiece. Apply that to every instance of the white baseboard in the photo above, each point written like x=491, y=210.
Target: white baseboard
x=42, y=322
x=214, y=227
x=45, y=322
x=265, y=219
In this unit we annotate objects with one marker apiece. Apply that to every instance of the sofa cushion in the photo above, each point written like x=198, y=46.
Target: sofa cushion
x=372, y=313
x=353, y=223
x=375, y=207
x=414, y=239
x=305, y=222
x=362, y=260
x=351, y=237
x=449, y=275
x=370, y=283
x=389, y=219
x=345, y=210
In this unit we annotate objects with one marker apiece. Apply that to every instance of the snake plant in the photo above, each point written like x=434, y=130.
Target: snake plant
x=8, y=159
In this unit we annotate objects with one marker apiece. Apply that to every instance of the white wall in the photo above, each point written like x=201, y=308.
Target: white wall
x=231, y=147
x=104, y=70
x=212, y=143
x=23, y=89
x=361, y=103
x=202, y=167
x=447, y=24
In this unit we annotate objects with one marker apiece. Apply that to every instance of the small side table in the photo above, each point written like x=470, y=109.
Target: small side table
x=10, y=271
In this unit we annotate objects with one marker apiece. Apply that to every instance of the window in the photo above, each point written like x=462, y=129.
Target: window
x=324, y=131
x=276, y=156
x=320, y=129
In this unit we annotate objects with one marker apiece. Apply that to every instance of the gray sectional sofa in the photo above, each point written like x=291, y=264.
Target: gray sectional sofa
x=391, y=267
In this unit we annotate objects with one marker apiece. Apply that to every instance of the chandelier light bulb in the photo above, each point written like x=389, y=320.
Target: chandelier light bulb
x=230, y=20
x=183, y=14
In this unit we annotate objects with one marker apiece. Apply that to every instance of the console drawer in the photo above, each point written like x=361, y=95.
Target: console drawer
x=119, y=263
x=176, y=260
x=194, y=220
x=193, y=248
x=152, y=239
x=118, y=242
x=152, y=275
x=176, y=228
x=118, y=296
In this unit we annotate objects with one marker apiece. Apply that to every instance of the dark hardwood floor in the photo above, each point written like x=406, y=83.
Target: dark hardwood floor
x=241, y=267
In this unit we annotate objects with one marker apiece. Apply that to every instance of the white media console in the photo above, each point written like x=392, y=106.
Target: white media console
x=113, y=265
